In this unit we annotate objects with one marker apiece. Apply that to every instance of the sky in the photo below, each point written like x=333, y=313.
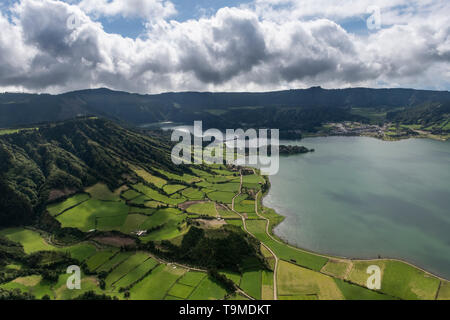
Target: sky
x=153, y=46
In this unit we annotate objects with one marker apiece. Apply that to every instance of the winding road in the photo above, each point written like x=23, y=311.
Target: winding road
x=275, y=295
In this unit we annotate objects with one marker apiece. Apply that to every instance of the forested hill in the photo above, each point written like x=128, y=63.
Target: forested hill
x=293, y=109
x=61, y=158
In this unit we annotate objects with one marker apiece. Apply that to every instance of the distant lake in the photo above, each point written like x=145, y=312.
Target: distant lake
x=360, y=197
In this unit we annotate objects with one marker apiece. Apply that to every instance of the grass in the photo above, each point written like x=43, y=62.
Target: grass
x=354, y=292
x=136, y=274
x=223, y=197
x=116, y=260
x=130, y=194
x=156, y=285
x=180, y=291
x=125, y=267
x=172, y=188
x=252, y=178
x=30, y=240
x=155, y=195
x=293, y=280
x=184, y=178
x=171, y=220
x=267, y=285
x=235, y=277
x=157, y=181
x=444, y=291
x=208, y=290
x=225, y=187
x=133, y=223
x=33, y=284
x=203, y=208
x=192, y=278
x=336, y=268
x=100, y=258
x=251, y=283
x=95, y=214
x=80, y=251
x=57, y=208
x=398, y=279
x=226, y=213
x=193, y=194
x=302, y=258
x=100, y=191
x=140, y=200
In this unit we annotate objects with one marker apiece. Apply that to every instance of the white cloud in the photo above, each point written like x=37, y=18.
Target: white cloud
x=236, y=49
x=146, y=9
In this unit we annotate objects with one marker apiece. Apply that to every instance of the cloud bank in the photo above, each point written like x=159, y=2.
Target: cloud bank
x=267, y=45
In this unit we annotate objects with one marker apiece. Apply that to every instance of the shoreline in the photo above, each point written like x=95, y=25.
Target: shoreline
x=273, y=225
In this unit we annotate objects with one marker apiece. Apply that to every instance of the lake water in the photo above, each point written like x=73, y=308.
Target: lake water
x=361, y=197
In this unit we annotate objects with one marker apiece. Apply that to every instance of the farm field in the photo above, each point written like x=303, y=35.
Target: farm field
x=203, y=208
x=302, y=258
x=100, y=191
x=398, y=279
x=251, y=283
x=167, y=214
x=57, y=208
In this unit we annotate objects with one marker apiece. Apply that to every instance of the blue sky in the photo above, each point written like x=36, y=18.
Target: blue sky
x=186, y=9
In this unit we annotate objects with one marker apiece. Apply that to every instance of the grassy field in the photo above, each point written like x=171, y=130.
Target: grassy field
x=100, y=258
x=34, y=285
x=125, y=267
x=130, y=194
x=354, y=292
x=267, y=285
x=302, y=258
x=251, y=283
x=192, y=278
x=226, y=213
x=133, y=223
x=170, y=222
x=336, y=268
x=221, y=196
x=203, y=208
x=293, y=280
x=180, y=291
x=398, y=279
x=157, y=181
x=155, y=195
x=95, y=214
x=30, y=240
x=208, y=290
x=156, y=285
x=136, y=274
x=57, y=208
x=193, y=194
x=184, y=178
x=172, y=188
x=444, y=291
x=100, y=191
x=116, y=260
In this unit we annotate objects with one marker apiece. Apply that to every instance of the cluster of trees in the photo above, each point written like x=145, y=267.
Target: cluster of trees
x=216, y=249
x=70, y=156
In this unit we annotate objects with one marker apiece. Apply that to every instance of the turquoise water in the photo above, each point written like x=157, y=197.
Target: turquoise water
x=363, y=198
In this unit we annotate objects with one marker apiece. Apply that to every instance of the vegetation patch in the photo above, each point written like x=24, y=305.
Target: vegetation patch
x=295, y=280
x=156, y=285
x=203, y=208
x=57, y=208
x=95, y=214
x=208, y=290
x=101, y=191
x=251, y=283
